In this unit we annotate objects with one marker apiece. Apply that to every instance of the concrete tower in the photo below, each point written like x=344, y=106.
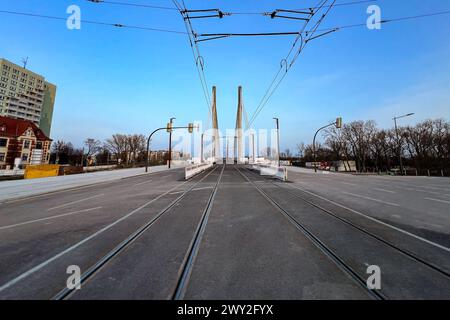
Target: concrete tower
x=238, y=142
x=215, y=125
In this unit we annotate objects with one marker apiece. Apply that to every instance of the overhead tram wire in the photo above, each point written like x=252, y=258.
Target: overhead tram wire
x=349, y=3
x=325, y=30
x=116, y=25
x=139, y=5
x=198, y=59
x=284, y=63
x=148, y=6
x=334, y=29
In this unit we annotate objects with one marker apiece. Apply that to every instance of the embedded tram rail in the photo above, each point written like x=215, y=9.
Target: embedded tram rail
x=420, y=273
x=226, y=234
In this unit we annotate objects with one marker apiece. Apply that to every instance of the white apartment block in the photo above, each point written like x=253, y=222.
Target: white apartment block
x=26, y=95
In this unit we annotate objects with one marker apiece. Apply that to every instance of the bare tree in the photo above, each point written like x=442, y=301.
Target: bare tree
x=359, y=134
x=301, y=149
x=92, y=147
x=136, y=146
x=117, y=145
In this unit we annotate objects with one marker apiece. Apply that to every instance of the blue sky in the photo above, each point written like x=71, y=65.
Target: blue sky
x=131, y=81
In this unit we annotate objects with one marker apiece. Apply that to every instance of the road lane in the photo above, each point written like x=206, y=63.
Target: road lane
x=36, y=207
x=149, y=267
x=40, y=247
x=406, y=209
x=403, y=277
x=250, y=251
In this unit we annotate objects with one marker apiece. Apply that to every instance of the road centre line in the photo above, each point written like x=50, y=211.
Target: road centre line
x=438, y=200
x=141, y=183
x=372, y=199
x=383, y=190
x=74, y=202
x=48, y=218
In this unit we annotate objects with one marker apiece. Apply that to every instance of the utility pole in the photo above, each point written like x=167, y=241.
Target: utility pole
x=278, y=139
x=399, y=146
x=238, y=146
x=201, y=149
x=170, y=140
x=253, y=146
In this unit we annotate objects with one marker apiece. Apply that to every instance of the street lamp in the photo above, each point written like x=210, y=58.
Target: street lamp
x=170, y=140
x=277, y=121
x=338, y=125
x=399, y=147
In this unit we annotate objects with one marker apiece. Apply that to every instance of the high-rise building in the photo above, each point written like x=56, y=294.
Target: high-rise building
x=26, y=95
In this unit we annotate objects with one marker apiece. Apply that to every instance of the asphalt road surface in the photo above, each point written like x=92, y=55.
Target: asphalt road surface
x=229, y=233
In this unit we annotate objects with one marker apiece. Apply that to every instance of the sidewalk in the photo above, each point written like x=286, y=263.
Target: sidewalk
x=23, y=188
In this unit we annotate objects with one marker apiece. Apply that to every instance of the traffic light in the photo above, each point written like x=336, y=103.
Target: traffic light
x=169, y=127
x=339, y=123
x=191, y=127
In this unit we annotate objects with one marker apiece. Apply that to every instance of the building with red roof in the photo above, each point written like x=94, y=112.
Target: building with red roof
x=22, y=143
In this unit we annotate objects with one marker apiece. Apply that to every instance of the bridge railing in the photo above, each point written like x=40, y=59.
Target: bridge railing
x=191, y=171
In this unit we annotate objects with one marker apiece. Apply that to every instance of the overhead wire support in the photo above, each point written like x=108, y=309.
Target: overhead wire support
x=219, y=14
x=275, y=14
x=304, y=40
x=198, y=59
x=212, y=36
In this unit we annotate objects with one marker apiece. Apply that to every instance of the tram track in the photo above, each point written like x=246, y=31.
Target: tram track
x=192, y=252
x=317, y=242
x=413, y=257
x=89, y=274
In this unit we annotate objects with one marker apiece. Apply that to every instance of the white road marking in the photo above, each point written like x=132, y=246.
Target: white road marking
x=73, y=202
x=376, y=220
x=76, y=245
x=384, y=190
x=141, y=183
x=435, y=188
x=349, y=184
x=443, y=201
x=89, y=185
x=372, y=199
x=48, y=218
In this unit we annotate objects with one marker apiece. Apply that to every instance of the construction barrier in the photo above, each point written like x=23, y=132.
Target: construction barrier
x=191, y=171
x=41, y=171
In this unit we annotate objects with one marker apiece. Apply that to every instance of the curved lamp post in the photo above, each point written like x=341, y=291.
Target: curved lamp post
x=338, y=125
x=190, y=127
x=399, y=146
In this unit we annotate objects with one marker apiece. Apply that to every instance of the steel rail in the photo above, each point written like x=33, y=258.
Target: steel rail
x=318, y=243
x=189, y=259
x=371, y=234
x=66, y=292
